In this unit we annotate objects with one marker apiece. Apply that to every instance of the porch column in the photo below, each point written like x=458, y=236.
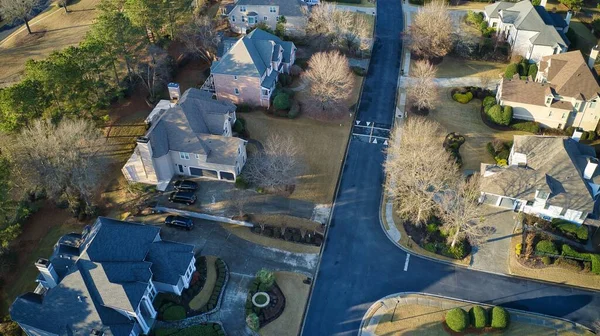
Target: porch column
x=218, y=174
x=149, y=306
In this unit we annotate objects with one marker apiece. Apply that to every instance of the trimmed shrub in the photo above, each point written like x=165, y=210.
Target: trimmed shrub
x=570, y=130
x=463, y=98
x=507, y=114
x=526, y=126
x=282, y=101
x=571, y=229
x=518, y=249
x=500, y=318
x=430, y=247
x=457, y=319
x=239, y=126
x=252, y=322
x=478, y=316
x=570, y=264
x=523, y=67
x=533, y=70
x=459, y=250
x=359, y=71
x=499, y=115
x=489, y=101
x=595, y=263
x=241, y=183
x=266, y=278
x=546, y=260
x=511, y=70
x=546, y=247
x=568, y=251
x=592, y=136
x=174, y=313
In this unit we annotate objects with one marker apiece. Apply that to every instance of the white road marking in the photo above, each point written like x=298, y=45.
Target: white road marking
x=406, y=262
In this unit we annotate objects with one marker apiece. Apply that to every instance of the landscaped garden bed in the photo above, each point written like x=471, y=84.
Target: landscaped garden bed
x=433, y=238
x=205, y=329
x=290, y=234
x=171, y=307
x=265, y=301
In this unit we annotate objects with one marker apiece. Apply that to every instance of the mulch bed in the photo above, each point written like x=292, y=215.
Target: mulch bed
x=533, y=262
x=274, y=309
x=419, y=235
x=291, y=234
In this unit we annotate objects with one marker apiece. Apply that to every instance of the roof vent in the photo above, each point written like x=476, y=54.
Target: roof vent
x=142, y=139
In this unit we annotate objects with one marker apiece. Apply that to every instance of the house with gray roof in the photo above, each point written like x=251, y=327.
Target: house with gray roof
x=547, y=176
x=103, y=281
x=530, y=30
x=564, y=93
x=247, y=69
x=245, y=14
x=192, y=137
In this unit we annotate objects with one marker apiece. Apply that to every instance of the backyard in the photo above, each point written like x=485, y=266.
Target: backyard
x=54, y=31
x=466, y=120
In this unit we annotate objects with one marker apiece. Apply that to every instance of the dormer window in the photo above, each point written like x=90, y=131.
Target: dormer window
x=273, y=9
x=243, y=9
x=549, y=100
x=541, y=195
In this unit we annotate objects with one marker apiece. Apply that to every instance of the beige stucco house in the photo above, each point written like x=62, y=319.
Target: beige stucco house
x=530, y=30
x=245, y=14
x=247, y=69
x=564, y=93
x=191, y=138
x=547, y=176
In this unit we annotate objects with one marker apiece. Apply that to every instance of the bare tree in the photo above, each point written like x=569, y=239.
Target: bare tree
x=423, y=92
x=431, y=33
x=12, y=10
x=239, y=201
x=201, y=38
x=417, y=168
x=65, y=159
x=153, y=70
x=331, y=83
x=461, y=212
x=329, y=25
x=277, y=166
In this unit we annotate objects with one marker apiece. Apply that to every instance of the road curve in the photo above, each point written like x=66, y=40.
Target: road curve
x=360, y=265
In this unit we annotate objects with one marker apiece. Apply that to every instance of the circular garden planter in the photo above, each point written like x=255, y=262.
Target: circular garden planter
x=261, y=299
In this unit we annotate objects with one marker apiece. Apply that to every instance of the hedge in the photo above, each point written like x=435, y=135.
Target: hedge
x=570, y=264
x=500, y=318
x=568, y=251
x=579, y=231
x=478, y=316
x=546, y=247
x=282, y=101
x=489, y=101
x=526, y=126
x=463, y=98
x=533, y=70
x=174, y=313
x=511, y=70
x=457, y=319
x=595, y=263
x=499, y=115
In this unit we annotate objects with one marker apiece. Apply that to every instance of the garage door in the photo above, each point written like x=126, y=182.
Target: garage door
x=227, y=176
x=203, y=172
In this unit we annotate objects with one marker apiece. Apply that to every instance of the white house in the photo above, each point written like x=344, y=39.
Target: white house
x=564, y=93
x=547, y=176
x=191, y=138
x=103, y=281
x=244, y=14
x=530, y=30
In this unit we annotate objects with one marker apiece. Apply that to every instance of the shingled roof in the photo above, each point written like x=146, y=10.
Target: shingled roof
x=570, y=75
x=554, y=164
x=286, y=7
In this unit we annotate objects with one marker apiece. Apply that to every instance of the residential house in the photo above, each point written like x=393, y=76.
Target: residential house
x=247, y=69
x=103, y=281
x=547, y=176
x=530, y=30
x=245, y=14
x=192, y=137
x=564, y=93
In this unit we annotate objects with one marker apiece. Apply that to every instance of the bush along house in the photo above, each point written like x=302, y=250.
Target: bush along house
x=191, y=137
x=103, y=281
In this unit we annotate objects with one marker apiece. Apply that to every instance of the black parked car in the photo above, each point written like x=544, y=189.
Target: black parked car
x=185, y=197
x=179, y=221
x=186, y=185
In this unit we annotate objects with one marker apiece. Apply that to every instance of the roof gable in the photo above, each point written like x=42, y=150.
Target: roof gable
x=570, y=75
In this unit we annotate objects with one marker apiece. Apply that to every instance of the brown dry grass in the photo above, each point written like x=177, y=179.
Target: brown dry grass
x=296, y=295
x=551, y=273
x=466, y=120
x=246, y=234
x=322, y=147
x=54, y=30
x=211, y=278
x=428, y=321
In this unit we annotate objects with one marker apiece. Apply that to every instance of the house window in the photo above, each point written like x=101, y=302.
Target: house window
x=242, y=9
x=494, y=24
x=233, y=18
x=239, y=150
x=273, y=9
x=184, y=156
x=265, y=18
x=243, y=19
x=563, y=116
x=236, y=91
x=548, y=100
x=251, y=19
x=576, y=105
x=197, y=156
x=235, y=77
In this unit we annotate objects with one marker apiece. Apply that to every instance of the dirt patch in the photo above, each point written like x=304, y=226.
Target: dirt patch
x=296, y=295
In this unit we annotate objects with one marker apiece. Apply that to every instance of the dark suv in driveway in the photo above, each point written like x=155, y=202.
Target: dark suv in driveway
x=185, y=197
x=180, y=222
x=185, y=185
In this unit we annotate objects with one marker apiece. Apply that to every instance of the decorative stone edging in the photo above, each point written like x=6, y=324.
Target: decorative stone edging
x=373, y=315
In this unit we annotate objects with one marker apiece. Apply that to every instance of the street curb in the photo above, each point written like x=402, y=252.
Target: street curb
x=337, y=187
x=376, y=305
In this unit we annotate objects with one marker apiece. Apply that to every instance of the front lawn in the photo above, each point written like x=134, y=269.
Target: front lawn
x=466, y=120
x=296, y=296
x=453, y=66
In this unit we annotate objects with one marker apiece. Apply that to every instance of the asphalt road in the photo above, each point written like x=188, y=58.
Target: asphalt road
x=360, y=265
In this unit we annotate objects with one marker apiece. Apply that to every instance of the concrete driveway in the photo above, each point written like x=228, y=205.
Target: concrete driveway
x=244, y=259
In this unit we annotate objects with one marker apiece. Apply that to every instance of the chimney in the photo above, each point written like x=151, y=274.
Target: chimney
x=593, y=56
x=568, y=21
x=577, y=135
x=47, y=270
x=174, y=92
x=543, y=3
x=590, y=168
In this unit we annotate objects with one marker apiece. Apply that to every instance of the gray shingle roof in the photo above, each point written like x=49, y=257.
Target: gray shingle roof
x=493, y=9
x=170, y=260
x=286, y=7
x=554, y=164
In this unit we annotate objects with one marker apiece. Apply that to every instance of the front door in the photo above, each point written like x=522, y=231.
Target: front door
x=180, y=168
